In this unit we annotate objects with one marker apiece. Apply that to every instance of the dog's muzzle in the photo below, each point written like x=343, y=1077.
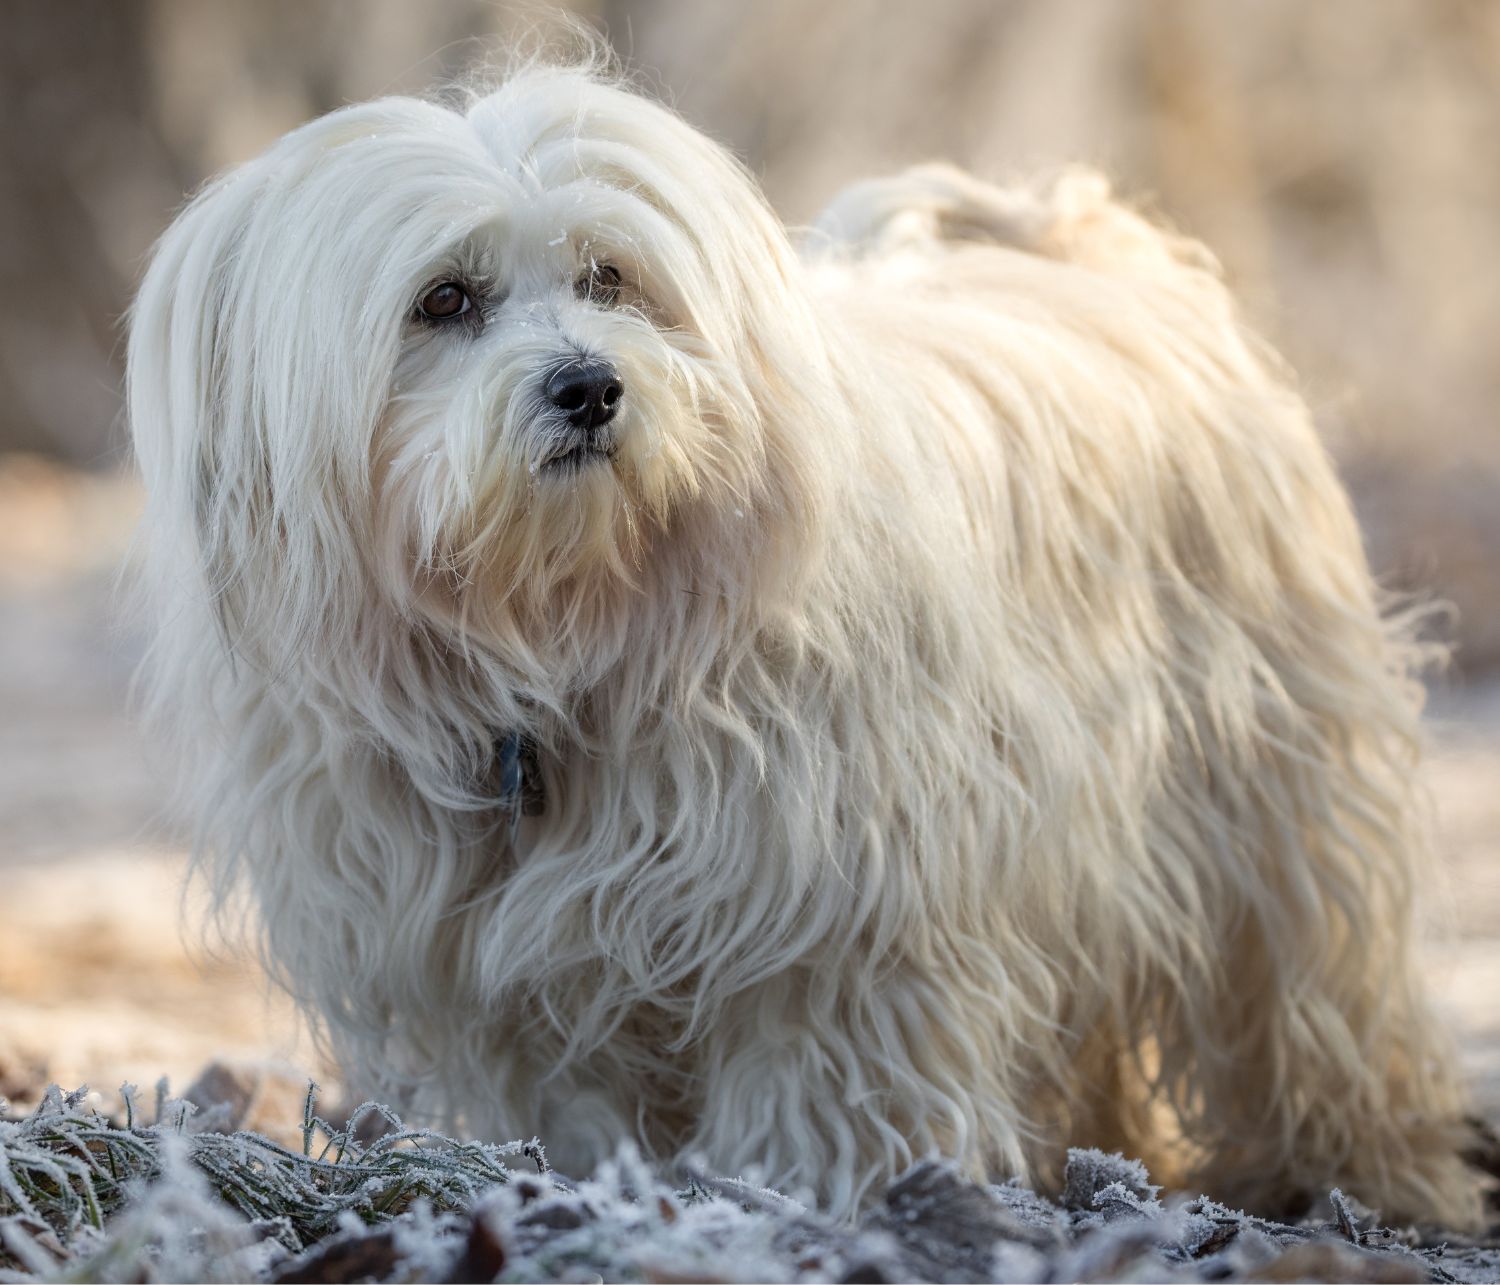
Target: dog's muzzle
x=587, y=393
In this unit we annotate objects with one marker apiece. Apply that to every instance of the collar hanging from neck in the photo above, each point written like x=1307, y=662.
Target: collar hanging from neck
x=520, y=777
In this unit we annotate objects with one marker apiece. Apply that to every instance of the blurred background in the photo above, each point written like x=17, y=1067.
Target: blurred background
x=1341, y=158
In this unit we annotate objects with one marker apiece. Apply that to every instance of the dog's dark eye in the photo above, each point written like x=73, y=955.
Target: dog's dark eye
x=601, y=284
x=444, y=302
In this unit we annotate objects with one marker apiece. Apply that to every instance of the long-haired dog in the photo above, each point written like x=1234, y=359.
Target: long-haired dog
x=806, y=708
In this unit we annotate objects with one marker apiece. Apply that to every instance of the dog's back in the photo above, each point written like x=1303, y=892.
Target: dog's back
x=1069, y=217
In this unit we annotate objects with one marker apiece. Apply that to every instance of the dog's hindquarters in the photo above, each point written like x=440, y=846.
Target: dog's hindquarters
x=1275, y=833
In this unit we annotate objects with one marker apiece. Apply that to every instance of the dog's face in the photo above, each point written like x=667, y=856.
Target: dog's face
x=478, y=361
x=572, y=366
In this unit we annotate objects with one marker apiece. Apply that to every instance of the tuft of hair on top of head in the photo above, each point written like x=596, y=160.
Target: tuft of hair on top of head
x=539, y=38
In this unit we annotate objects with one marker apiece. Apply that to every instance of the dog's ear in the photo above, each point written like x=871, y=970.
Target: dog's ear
x=261, y=349
x=175, y=377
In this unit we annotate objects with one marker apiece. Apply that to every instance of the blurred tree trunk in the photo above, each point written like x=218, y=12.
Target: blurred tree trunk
x=73, y=88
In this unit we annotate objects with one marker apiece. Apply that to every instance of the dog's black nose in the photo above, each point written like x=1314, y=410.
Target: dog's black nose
x=589, y=391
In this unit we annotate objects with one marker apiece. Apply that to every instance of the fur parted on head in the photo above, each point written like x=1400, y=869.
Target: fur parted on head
x=962, y=711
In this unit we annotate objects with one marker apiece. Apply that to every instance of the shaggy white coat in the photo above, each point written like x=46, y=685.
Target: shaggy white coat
x=964, y=713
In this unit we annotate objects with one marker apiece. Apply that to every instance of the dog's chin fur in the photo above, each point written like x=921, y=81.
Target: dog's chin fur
x=962, y=708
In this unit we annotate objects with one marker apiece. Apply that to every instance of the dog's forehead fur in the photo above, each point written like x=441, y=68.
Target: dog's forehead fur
x=551, y=167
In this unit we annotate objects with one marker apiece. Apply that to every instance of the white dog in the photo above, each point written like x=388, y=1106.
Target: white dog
x=808, y=710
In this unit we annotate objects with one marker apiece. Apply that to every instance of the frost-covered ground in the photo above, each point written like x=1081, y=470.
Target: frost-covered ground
x=83, y=1198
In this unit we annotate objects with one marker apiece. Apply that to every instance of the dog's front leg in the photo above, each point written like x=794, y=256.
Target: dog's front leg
x=829, y=1090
